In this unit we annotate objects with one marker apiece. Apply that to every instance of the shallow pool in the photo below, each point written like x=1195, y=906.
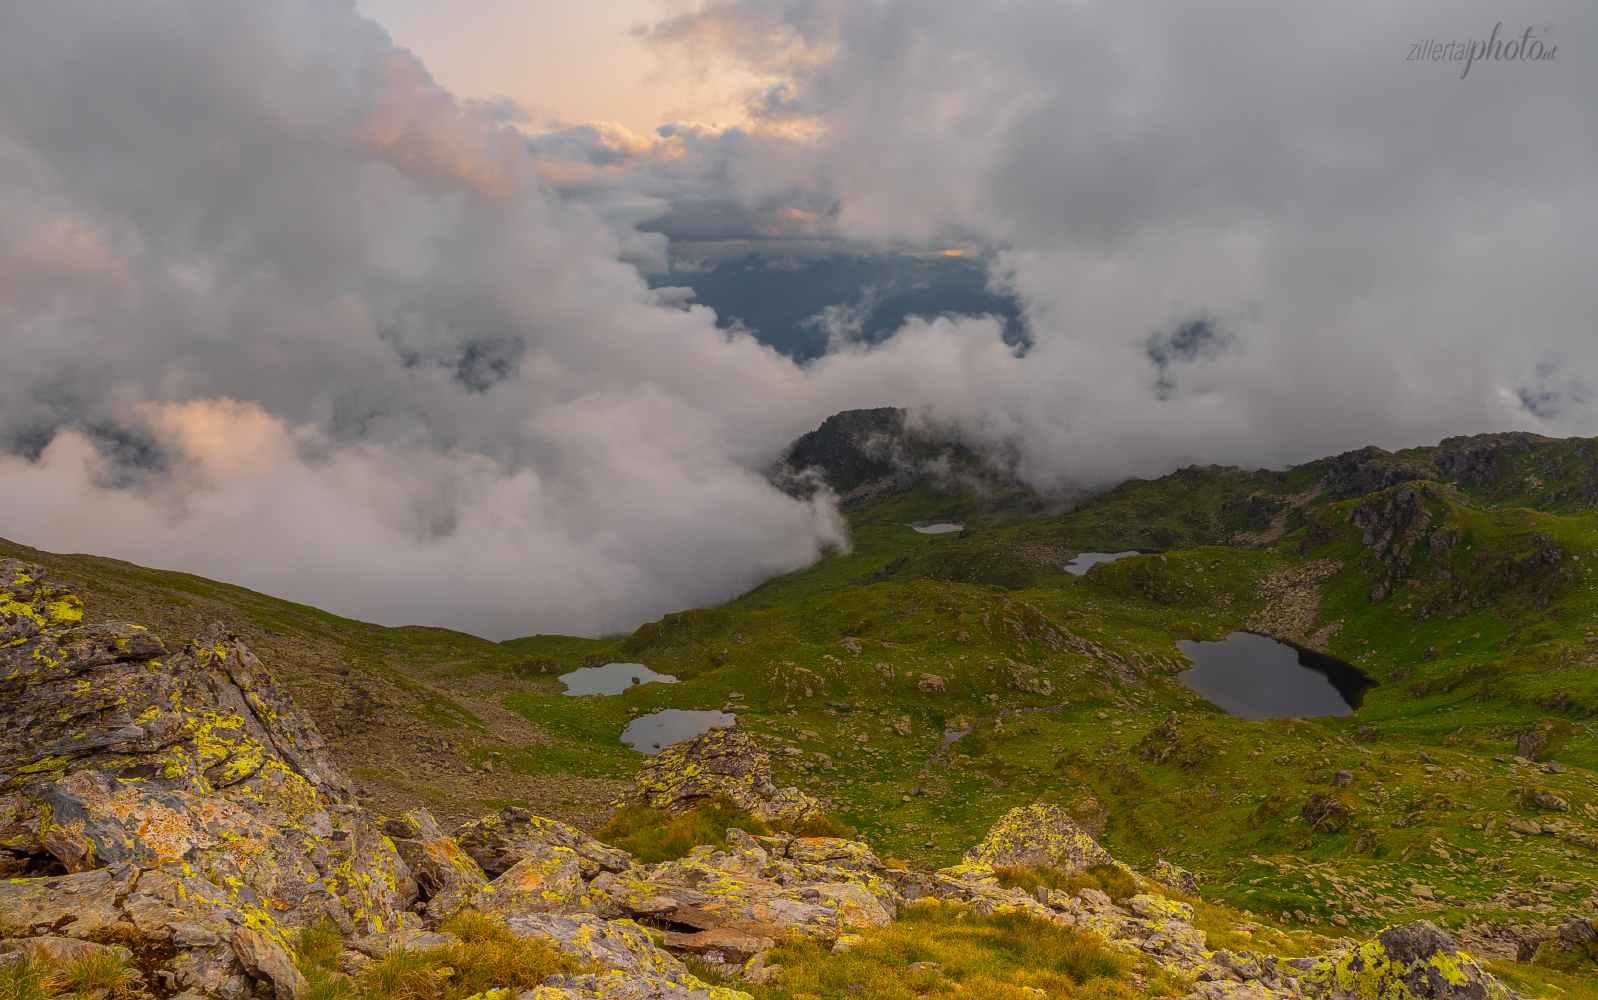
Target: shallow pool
x=612, y=678
x=1255, y=677
x=1085, y=560
x=652, y=733
x=937, y=527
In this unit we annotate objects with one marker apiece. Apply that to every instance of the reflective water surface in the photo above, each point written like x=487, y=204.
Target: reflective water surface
x=937, y=527
x=1085, y=560
x=653, y=733
x=1255, y=677
x=612, y=678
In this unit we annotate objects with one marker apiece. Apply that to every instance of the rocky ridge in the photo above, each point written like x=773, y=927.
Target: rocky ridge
x=179, y=811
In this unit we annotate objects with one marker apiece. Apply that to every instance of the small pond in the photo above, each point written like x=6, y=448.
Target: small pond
x=612, y=678
x=651, y=733
x=1085, y=560
x=937, y=527
x=1254, y=677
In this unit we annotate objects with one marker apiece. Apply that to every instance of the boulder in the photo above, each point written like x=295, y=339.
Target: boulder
x=719, y=764
x=1038, y=836
x=60, y=951
x=711, y=890
x=548, y=880
x=446, y=877
x=1417, y=960
x=1176, y=877
x=611, y=945
x=265, y=957
x=498, y=841
x=78, y=906
x=721, y=944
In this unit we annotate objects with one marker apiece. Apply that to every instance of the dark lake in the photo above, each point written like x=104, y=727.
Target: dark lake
x=653, y=733
x=612, y=678
x=1254, y=677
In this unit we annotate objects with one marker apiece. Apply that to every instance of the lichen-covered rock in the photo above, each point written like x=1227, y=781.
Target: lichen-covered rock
x=1417, y=960
x=547, y=880
x=711, y=889
x=723, y=944
x=1037, y=836
x=722, y=763
x=1160, y=909
x=79, y=906
x=834, y=852
x=446, y=877
x=500, y=840
x=265, y=957
x=1176, y=877
x=611, y=945
x=60, y=951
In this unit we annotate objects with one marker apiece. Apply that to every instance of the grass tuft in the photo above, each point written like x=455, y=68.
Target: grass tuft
x=28, y=980
x=1007, y=956
x=653, y=836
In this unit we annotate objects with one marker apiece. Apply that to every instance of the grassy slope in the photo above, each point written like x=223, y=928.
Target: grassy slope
x=1478, y=643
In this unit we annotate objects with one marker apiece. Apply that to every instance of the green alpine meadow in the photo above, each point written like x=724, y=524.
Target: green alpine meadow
x=958, y=753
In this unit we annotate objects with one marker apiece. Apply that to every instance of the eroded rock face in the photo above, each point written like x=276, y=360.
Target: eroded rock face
x=1416, y=960
x=446, y=877
x=1038, y=836
x=722, y=763
x=181, y=802
x=498, y=841
x=612, y=945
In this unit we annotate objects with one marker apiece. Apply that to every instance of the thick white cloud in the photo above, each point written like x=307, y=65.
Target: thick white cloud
x=275, y=307
x=1389, y=253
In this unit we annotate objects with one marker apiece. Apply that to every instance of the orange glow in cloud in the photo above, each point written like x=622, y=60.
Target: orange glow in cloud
x=563, y=62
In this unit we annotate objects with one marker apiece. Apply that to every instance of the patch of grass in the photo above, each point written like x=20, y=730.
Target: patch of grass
x=1538, y=981
x=652, y=835
x=404, y=975
x=27, y=980
x=816, y=826
x=1108, y=879
x=99, y=975
x=1007, y=955
x=490, y=957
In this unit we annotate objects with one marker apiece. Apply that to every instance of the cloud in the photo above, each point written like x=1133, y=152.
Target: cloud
x=1390, y=251
x=278, y=309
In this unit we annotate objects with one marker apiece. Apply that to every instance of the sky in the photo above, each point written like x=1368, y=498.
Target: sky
x=492, y=315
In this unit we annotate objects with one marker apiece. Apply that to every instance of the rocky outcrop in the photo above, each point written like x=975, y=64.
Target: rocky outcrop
x=1038, y=836
x=498, y=841
x=181, y=804
x=1176, y=877
x=1417, y=960
x=446, y=877
x=719, y=764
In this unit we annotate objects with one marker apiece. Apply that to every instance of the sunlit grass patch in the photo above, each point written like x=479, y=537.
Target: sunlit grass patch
x=1108, y=879
x=1537, y=981
x=99, y=975
x=1010, y=956
x=489, y=957
x=27, y=980
x=652, y=835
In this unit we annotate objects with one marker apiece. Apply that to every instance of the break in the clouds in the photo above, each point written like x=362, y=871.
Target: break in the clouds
x=277, y=308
